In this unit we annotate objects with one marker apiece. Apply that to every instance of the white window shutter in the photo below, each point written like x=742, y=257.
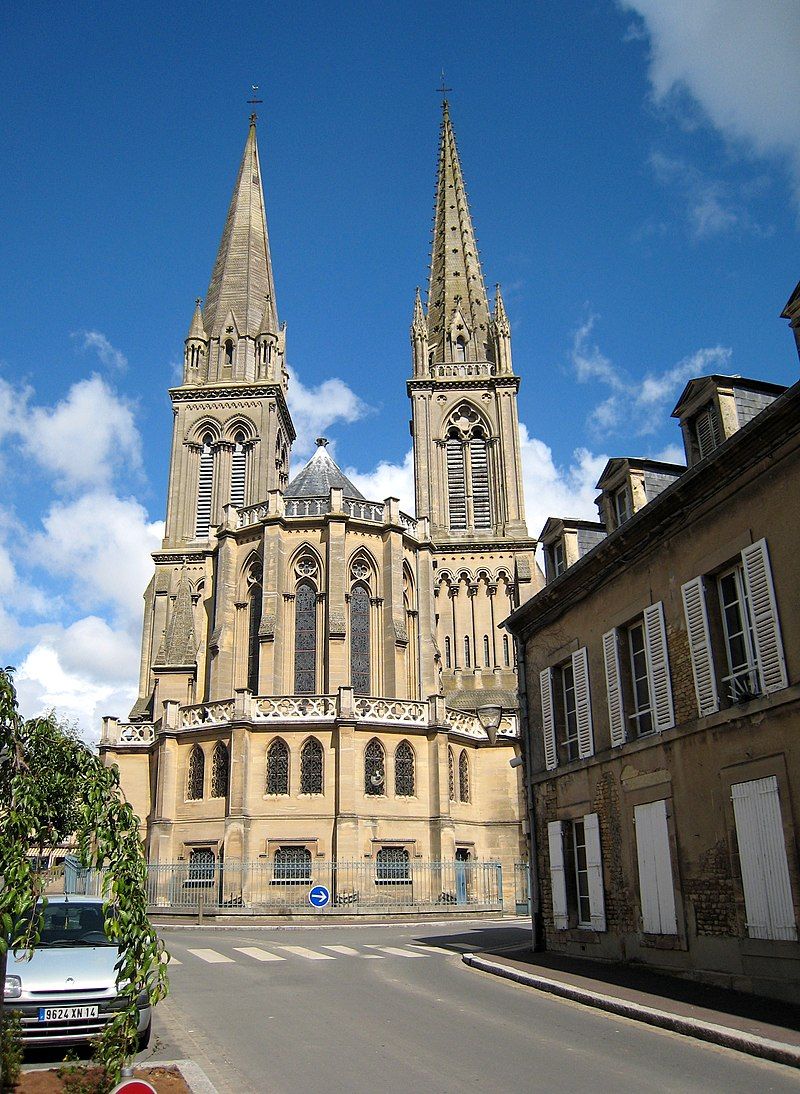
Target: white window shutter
x=705, y=682
x=616, y=707
x=655, y=869
x=548, y=719
x=583, y=702
x=762, y=856
x=594, y=866
x=558, y=881
x=764, y=612
x=655, y=641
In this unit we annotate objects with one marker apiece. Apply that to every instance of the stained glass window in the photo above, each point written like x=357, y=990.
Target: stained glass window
x=463, y=776
x=278, y=767
x=404, y=770
x=374, y=768
x=196, y=774
x=359, y=640
x=311, y=767
x=292, y=864
x=305, y=640
x=254, y=625
x=219, y=771
x=451, y=774
x=392, y=864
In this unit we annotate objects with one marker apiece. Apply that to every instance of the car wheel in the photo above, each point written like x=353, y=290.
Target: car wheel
x=144, y=1037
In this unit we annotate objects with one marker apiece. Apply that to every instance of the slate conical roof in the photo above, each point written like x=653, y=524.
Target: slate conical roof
x=241, y=281
x=319, y=475
x=456, y=276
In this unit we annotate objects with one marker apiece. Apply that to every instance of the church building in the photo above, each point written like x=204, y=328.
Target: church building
x=318, y=667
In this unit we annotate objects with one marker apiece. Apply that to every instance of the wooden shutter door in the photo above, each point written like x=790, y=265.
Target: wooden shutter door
x=558, y=881
x=548, y=720
x=762, y=857
x=764, y=613
x=705, y=682
x=616, y=707
x=655, y=869
x=655, y=642
x=594, y=864
x=583, y=702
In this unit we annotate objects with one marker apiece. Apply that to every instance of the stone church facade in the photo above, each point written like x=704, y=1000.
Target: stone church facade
x=313, y=661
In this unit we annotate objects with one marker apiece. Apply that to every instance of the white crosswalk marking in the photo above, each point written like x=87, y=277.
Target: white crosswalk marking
x=258, y=954
x=310, y=955
x=212, y=957
x=346, y=951
x=173, y=960
x=431, y=949
x=396, y=951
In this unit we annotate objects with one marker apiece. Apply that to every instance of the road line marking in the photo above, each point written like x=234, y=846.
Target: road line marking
x=173, y=960
x=310, y=955
x=347, y=951
x=258, y=954
x=395, y=951
x=212, y=957
x=431, y=949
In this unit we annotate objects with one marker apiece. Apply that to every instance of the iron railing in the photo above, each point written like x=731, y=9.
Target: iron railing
x=284, y=886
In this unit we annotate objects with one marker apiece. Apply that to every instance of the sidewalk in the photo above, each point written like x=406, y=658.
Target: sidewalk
x=761, y=1027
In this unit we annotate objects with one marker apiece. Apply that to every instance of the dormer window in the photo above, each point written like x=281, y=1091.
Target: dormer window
x=623, y=509
x=706, y=431
x=461, y=349
x=228, y=359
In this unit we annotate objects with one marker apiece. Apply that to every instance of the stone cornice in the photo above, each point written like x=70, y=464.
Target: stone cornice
x=214, y=394
x=440, y=547
x=674, y=509
x=476, y=383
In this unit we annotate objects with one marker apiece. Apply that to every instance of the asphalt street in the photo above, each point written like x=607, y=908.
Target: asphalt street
x=393, y=1009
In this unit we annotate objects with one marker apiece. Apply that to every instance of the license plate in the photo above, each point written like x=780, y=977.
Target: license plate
x=65, y=1014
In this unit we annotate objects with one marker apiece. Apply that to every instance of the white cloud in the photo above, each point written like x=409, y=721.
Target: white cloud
x=84, y=439
x=388, y=480
x=553, y=491
x=314, y=409
x=738, y=60
x=641, y=403
x=108, y=354
x=102, y=544
x=711, y=206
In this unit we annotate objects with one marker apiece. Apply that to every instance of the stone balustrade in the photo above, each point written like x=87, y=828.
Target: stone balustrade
x=373, y=512
x=127, y=733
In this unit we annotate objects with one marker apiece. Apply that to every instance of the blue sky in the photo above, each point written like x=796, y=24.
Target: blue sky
x=634, y=177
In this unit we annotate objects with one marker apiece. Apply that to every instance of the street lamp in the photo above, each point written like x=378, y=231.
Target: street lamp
x=490, y=717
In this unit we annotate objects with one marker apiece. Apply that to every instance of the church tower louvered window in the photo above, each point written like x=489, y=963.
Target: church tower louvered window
x=238, y=471
x=205, y=486
x=468, y=487
x=305, y=640
x=456, y=484
x=481, y=508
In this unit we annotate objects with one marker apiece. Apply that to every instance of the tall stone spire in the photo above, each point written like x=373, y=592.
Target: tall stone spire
x=458, y=307
x=241, y=282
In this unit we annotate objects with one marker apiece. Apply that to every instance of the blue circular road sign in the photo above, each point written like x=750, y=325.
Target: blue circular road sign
x=319, y=896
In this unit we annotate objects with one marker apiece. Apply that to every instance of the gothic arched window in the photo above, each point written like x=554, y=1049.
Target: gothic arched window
x=374, y=769
x=195, y=778
x=219, y=770
x=311, y=767
x=463, y=776
x=305, y=640
x=292, y=864
x=451, y=774
x=461, y=349
x=392, y=864
x=253, y=628
x=404, y=770
x=467, y=657
x=228, y=361
x=506, y=651
x=205, y=486
x=360, y=677
x=448, y=657
x=486, y=660
x=238, y=470
x=278, y=767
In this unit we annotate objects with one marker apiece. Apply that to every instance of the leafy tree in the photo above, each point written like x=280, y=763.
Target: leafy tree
x=52, y=787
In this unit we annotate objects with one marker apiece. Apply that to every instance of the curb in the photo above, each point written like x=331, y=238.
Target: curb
x=193, y=1075
x=776, y=1051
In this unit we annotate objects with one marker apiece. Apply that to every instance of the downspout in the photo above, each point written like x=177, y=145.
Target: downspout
x=537, y=928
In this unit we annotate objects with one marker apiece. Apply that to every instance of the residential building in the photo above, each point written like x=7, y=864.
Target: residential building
x=661, y=686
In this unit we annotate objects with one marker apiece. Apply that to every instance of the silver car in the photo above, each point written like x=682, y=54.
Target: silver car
x=67, y=992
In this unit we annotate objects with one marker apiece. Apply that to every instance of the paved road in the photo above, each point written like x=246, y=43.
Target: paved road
x=393, y=1009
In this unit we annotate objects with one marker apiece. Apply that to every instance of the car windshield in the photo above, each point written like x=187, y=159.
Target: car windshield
x=73, y=924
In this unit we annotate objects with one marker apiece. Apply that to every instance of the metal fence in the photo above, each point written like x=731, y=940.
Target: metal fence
x=279, y=887
x=522, y=887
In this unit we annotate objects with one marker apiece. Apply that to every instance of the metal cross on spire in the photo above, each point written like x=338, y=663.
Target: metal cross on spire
x=443, y=89
x=254, y=89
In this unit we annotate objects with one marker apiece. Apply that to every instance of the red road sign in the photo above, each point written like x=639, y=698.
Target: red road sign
x=134, y=1086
